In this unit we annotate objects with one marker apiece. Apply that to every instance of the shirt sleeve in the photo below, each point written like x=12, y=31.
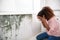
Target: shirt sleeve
x=54, y=26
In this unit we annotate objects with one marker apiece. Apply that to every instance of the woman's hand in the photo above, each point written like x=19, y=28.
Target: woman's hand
x=42, y=19
x=44, y=22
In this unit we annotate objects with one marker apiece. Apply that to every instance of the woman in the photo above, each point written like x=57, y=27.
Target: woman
x=50, y=22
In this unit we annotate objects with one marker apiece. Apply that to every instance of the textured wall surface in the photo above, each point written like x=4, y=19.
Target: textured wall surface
x=15, y=27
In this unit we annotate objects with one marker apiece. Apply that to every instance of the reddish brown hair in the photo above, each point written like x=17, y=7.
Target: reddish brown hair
x=47, y=12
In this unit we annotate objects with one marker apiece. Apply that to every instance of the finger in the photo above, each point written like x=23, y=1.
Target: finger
x=39, y=17
x=43, y=16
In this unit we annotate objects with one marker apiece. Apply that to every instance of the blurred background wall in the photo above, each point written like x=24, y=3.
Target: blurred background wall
x=8, y=7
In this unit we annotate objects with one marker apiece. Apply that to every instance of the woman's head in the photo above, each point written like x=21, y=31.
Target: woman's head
x=47, y=12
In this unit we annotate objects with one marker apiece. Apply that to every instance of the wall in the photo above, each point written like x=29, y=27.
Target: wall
x=8, y=7
x=15, y=27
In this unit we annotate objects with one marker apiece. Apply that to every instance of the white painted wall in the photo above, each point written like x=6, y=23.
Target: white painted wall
x=16, y=5
x=28, y=7
x=7, y=5
x=54, y=4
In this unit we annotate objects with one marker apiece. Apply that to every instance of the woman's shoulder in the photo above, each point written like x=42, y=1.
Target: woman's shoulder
x=52, y=19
